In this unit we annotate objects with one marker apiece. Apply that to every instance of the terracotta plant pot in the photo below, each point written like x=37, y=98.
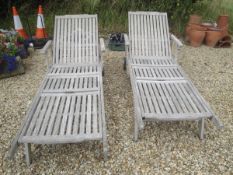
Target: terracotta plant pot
x=190, y=27
x=225, y=42
x=224, y=31
x=212, y=37
x=223, y=21
x=196, y=37
x=194, y=19
x=198, y=27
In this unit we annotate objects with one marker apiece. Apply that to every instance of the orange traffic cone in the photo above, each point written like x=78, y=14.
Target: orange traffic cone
x=18, y=24
x=40, y=31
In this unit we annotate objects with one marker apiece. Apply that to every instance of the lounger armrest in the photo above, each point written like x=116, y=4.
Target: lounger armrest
x=102, y=45
x=46, y=47
x=176, y=40
x=176, y=44
x=46, y=52
x=126, y=61
x=126, y=38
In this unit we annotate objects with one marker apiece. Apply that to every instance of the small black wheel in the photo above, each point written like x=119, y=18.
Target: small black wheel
x=103, y=72
x=124, y=66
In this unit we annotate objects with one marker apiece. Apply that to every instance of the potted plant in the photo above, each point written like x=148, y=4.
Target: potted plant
x=1, y=61
x=22, y=50
x=2, y=48
x=20, y=40
x=9, y=56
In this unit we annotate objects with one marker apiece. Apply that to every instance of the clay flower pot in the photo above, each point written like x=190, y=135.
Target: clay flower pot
x=198, y=27
x=196, y=37
x=224, y=31
x=212, y=37
x=223, y=21
x=190, y=27
x=187, y=30
x=194, y=19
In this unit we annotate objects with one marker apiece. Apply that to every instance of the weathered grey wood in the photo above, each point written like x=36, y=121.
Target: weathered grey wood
x=27, y=151
x=46, y=47
x=71, y=115
x=157, y=73
x=47, y=117
x=102, y=45
x=65, y=116
x=149, y=34
x=79, y=43
x=61, y=139
x=201, y=124
x=170, y=96
x=53, y=116
x=161, y=89
x=68, y=107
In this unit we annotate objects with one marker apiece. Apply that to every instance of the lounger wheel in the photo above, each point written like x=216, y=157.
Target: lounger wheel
x=124, y=64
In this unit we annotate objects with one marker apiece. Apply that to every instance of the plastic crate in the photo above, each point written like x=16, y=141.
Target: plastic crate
x=116, y=42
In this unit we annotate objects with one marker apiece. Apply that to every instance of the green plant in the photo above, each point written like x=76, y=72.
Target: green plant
x=211, y=9
x=112, y=14
x=11, y=49
x=1, y=53
x=2, y=46
x=20, y=39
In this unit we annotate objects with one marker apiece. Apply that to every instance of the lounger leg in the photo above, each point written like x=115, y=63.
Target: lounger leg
x=201, y=125
x=105, y=149
x=105, y=144
x=136, y=130
x=28, y=153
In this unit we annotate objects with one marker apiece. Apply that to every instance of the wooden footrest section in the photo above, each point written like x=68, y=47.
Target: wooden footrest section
x=74, y=70
x=170, y=100
x=157, y=73
x=70, y=84
x=64, y=118
x=149, y=62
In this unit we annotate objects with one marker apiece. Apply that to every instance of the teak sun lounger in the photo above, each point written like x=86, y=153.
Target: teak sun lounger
x=69, y=106
x=161, y=90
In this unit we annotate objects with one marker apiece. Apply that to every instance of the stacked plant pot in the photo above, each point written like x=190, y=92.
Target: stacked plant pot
x=223, y=24
x=195, y=32
x=212, y=35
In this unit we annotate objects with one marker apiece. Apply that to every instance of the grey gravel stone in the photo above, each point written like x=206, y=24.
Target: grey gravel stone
x=163, y=147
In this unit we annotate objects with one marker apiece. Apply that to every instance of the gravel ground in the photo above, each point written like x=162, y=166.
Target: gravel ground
x=163, y=148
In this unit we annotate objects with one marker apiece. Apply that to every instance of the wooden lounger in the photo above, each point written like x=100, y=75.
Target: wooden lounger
x=69, y=106
x=161, y=90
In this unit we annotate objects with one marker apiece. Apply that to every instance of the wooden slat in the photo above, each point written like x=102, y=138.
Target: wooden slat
x=35, y=116
x=83, y=115
x=77, y=115
x=59, y=116
x=53, y=116
x=151, y=62
x=95, y=125
x=149, y=35
x=157, y=73
x=61, y=139
x=41, y=116
x=47, y=115
x=65, y=116
x=169, y=98
x=78, y=38
x=89, y=114
x=68, y=106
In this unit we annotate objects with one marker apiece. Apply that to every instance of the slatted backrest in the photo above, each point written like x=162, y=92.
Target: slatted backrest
x=149, y=35
x=75, y=39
